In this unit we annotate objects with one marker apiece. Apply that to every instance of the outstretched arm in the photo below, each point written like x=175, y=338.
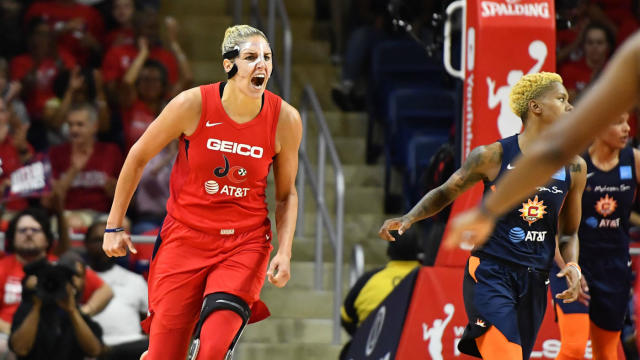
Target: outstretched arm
x=285, y=168
x=483, y=163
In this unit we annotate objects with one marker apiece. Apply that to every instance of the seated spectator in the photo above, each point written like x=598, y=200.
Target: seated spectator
x=374, y=286
x=74, y=88
x=374, y=25
x=36, y=70
x=123, y=32
x=371, y=26
x=120, y=321
x=597, y=46
x=119, y=59
x=84, y=169
x=143, y=96
x=153, y=191
x=48, y=324
x=79, y=28
x=28, y=239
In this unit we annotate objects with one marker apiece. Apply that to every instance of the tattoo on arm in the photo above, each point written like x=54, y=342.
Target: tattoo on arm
x=575, y=167
x=473, y=170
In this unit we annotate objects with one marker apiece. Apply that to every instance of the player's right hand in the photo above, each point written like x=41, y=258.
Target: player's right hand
x=116, y=244
x=400, y=224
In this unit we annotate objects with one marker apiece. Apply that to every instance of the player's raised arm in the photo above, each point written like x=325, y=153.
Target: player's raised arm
x=483, y=163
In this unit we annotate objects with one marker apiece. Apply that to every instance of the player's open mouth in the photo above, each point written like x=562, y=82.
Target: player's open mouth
x=257, y=81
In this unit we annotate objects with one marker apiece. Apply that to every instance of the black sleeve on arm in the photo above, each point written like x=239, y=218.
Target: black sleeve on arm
x=18, y=317
x=20, y=314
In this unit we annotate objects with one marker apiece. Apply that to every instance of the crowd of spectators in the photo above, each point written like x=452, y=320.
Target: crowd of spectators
x=80, y=81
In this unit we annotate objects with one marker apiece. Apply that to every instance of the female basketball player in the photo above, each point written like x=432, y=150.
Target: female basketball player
x=211, y=255
x=505, y=290
x=615, y=92
x=612, y=176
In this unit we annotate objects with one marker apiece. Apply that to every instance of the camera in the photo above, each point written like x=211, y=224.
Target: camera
x=52, y=279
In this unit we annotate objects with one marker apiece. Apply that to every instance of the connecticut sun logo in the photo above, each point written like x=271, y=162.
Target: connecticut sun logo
x=532, y=211
x=606, y=205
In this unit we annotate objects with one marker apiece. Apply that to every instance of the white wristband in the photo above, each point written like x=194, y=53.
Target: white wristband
x=578, y=269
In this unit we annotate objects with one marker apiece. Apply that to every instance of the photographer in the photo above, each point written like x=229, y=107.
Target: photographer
x=29, y=239
x=48, y=323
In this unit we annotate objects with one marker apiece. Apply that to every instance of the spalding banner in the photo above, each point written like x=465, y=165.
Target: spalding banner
x=505, y=39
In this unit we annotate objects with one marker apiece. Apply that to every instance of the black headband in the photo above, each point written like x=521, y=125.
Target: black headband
x=232, y=54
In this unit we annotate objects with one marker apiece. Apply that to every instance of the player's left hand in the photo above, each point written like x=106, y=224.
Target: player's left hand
x=571, y=274
x=279, y=270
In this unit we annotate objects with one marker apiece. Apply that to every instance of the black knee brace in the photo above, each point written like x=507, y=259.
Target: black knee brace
x=215, y=302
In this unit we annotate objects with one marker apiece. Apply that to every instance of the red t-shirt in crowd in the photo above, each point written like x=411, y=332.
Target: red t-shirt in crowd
x=118, y=59
x=46, y=73
x=118, y=37
x=576, y=75
x=135, y=120
x=9, y=162
x=87, y=188
x=58, y=14
x=11, y=274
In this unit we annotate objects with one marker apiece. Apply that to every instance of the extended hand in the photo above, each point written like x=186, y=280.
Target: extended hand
x=280, y=270
x=400, y=224
x=472, y=226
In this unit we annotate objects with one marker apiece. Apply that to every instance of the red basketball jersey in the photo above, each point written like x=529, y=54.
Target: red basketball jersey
x=219, y=179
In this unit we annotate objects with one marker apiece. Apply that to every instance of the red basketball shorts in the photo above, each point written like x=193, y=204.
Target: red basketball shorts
x=188, y=265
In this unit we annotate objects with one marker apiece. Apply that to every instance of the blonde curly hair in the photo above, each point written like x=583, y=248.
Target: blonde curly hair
x=528, y=88
x=235, y=35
